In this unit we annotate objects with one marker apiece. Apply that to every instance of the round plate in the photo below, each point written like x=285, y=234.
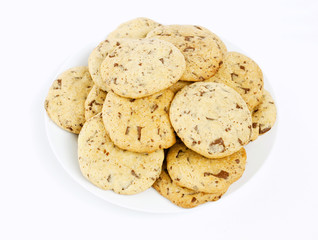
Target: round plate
x=64, y=146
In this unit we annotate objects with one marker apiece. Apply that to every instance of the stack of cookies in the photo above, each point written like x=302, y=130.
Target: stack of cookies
x=163, y=106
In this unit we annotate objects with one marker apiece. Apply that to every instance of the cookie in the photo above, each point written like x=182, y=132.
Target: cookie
x=179, y=85
x=64, y=103
x=94, y=102
x=96, y=58
x=140, y=68
x=139, y=125
x=191, y=170
x=136, y=28
x=263, y=116
x=181, y=196
x=111, y=168
x=212, y=119
x=244, y=75
x=202, y=53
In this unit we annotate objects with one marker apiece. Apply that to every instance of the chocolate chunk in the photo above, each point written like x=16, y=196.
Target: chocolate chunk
x=91, y=103
x=179, y=152
x=59, y=84
x=70, y=128
x=208, y=118
x=154, y=108
x=139, y=132
x=188, y=38
x=127, y=131
x=222, y=174
x=233, y=75
x=242, y=67
x=161, y=59
x=240, y=141
x=218, y=141
x=158, y=96
x=105, y=152
x=188, y=49
x=263, y=130
x=246, y=90
x=193, y=199
x=134, y=174
x=201, y=93
x=238, y=106
x=254, y=125
x=109, y=178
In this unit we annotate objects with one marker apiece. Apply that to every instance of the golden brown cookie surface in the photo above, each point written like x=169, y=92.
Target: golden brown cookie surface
x=212, y=119
x=139, y=125
x=65, y=101
x=112, y=168
x=191, y=170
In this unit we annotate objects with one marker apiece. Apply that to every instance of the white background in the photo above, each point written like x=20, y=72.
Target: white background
x=38, y=200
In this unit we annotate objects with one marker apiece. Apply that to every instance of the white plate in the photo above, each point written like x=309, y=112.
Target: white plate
x=64, y=146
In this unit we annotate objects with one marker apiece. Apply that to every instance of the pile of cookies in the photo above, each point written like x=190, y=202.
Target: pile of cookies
x=163, y=106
